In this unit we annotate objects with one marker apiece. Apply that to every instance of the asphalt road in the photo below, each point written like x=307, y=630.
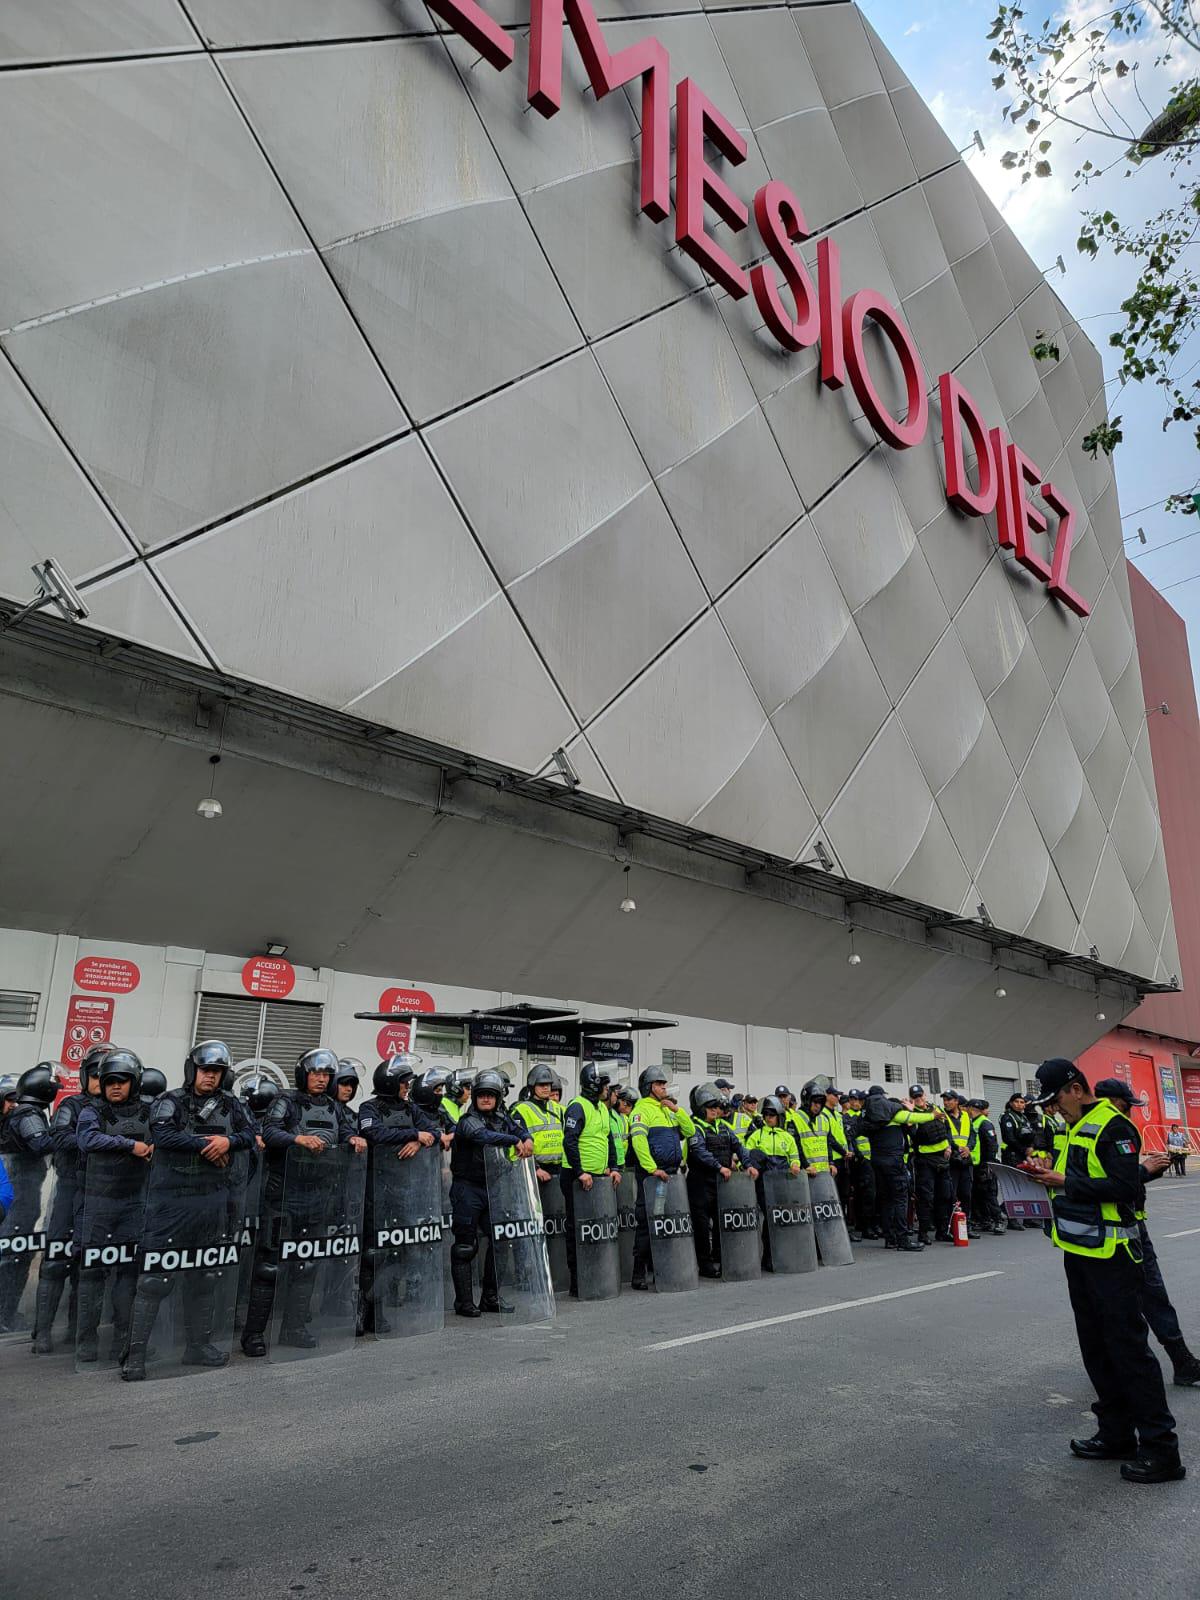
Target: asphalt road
x=884, y=1442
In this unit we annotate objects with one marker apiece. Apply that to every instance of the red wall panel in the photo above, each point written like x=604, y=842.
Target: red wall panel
x=1175, y=747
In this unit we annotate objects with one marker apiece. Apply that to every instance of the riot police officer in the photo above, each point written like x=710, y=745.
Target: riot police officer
x=484, y=1124
x=623, y=1103
x=196, y=1203
x=931, y=1168
x=305, y=1117
x=989, y=1213
x=393, y=1125
x=656, y=1134
x=773, y=1148
x=543, y=1116
x=154, y=1083
x=257, y=1093
x=713, y=1148
x=113, y=1135
x=589, y=1149
x=27, y=1147
x=458, y=1093
x=346, y=1082
x=58, y=1263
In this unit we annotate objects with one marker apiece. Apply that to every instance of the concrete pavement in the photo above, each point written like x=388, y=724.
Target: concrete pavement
x=883, y=1442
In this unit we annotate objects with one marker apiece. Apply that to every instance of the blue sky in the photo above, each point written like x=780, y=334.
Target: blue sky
x=943, y=47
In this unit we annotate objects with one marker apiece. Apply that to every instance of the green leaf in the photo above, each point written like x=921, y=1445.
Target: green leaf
x=1042, y=169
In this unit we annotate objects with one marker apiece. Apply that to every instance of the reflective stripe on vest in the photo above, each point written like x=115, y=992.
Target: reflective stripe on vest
x=1089, y=1228
x=593, y=1136
x=546, y=1127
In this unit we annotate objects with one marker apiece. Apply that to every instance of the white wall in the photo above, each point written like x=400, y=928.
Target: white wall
x=157, y=1019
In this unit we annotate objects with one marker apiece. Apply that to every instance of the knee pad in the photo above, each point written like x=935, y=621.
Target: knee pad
x=265, y=1271
x=155, y=1285
x=464, y=1250
x=55, y=1271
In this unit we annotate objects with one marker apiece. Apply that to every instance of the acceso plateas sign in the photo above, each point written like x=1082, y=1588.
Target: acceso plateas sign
x=1004, y=476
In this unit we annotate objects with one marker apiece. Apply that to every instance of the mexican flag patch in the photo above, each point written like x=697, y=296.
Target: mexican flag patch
x=1126, y=1147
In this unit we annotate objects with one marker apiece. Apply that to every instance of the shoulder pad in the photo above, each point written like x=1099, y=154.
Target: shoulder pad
x=366, y=1118
x=32, y=1120
x=163, y=1109
x=278, y=1110
x=64, y=1117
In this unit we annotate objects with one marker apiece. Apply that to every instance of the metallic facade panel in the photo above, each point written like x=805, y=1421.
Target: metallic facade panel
x=903, y=622
x=731, y=500
x=929, y=147
x=72, y=30
x=807, y=143
x=840, y=52
x=604, y=607
x=943, y=711
x=826, y=725
x=870, y=136
x=47, y=506
x=652, y=740
x=133, y=606
x=762, y=803
x=770, y=69
x=218, y=391
x=880, y=817
x=414, y=290
x=259, y=22
x=559, y=447
x=145, y=172
x=308, y=565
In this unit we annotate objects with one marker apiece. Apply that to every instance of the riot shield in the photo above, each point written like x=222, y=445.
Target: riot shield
x=1022, y=1199
x=404, y=1286
x=22, y=1241
x=626, y=1221
x=829, y=1224
x=108, y=1237
x=554, y=1214
x=57, y=1280
x=252, y=1219
x=183, y=1310
x=315, y=1310
x=788, y=1207
x=597, y=1230
x=518, y=1238
x=740, y=1229
x=672, y=1244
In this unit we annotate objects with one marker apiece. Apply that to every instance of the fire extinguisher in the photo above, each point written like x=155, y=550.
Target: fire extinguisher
x=958, y=1225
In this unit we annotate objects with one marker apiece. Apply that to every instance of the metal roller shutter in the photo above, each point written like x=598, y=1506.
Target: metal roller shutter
x=229, y=1017
x=271, y=1030
x=290, y=1027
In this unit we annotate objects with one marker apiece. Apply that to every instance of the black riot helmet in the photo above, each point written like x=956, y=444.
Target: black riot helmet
x=8, y=1088
x=814, y=1089
x=40, y=1084
x=90, y=1065
x=154, y=1083
x=428, y=1088
x=539, y=1074
x=121, y=1066
x=594, y=1078
x=316, y=1061
x=257, y=1092
x=460, y=1083
x=626, y=1095
x=490, y=1081
x=394, y=1071
x=773, y=1106
x=349, y=1070
x=704, y=1094
x=207, y=1057
x=651, y=1075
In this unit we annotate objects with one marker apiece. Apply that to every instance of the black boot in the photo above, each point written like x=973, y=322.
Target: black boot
x=1154, y=1469
x=199, y=1312
x=1186, y=1367
x=1098, y=1448
x=258, y=1313
x=89, y=1306
x=49, y=1294
x=149, y=1296
x=297, y=1311
x=464, y=1289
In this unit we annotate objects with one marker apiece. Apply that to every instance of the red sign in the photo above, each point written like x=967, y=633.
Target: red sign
x=269, y=977
x=106, y=975
x=395, y=1040
x=89, y=1022
x=817, y=313
x=403, y=1002
x=1191, y=1093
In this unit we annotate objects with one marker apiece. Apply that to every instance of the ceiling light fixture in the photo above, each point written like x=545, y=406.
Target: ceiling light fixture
x=276, y=948
x=210, y=807
x=628, y=903
x=853, y=959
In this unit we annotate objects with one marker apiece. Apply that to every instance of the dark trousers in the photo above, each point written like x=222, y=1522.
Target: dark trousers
x=865, y=1209
x=985, y=1197
x=1178, y=1163
x=891, y=1197
x=1156, y=1302
x=702, y=1196
x=641, y=1233
x=962, y=1176
x=473, y=1219
x=1113, y=1341
x=933, y=1195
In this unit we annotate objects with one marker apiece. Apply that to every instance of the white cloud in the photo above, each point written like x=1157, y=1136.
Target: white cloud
x=914, y=27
